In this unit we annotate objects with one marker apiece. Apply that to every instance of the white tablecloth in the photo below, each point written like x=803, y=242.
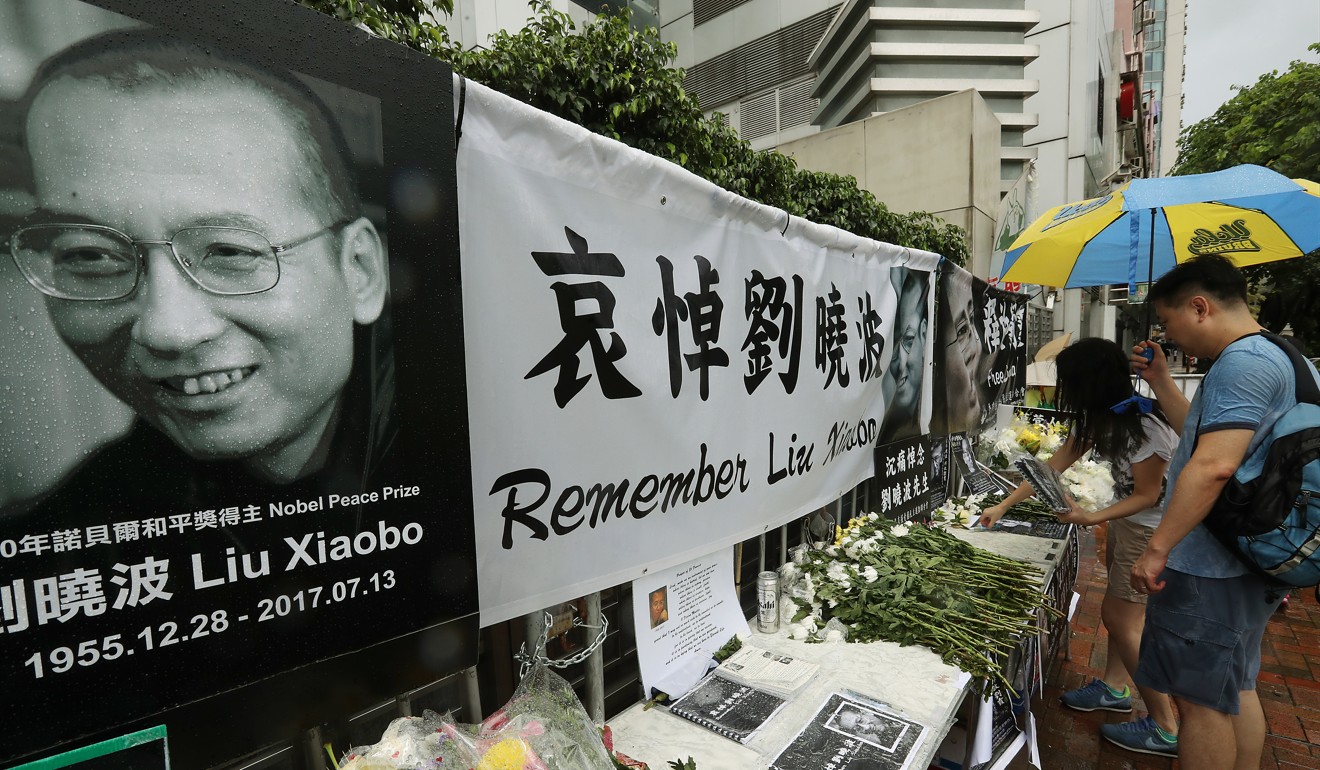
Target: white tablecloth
x=911, y=680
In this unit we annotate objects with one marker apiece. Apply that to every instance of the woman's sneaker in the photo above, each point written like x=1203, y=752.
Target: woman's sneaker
x=1098, y=696
x=1143, y=735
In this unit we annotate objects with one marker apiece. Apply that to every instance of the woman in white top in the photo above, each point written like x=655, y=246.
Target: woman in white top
x=1095, y=390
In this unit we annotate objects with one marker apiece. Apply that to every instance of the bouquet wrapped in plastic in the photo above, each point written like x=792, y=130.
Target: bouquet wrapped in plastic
x=411, y=743
x=542, y=727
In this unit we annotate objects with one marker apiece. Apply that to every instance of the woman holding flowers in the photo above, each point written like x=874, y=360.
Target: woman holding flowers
x=1104, y=415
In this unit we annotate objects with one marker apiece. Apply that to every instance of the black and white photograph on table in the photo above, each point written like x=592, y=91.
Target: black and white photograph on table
x=974, y=476
x=212, y=451
x=939, y=470
x=736, y=711
x=848, y=733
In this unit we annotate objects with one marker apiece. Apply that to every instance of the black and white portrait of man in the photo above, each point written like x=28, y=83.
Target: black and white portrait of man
x=905, y=375
x=204, y=337
x=197, y=238
x=959, y=354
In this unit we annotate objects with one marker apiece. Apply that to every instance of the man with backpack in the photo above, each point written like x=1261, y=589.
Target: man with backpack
x=1207, y=610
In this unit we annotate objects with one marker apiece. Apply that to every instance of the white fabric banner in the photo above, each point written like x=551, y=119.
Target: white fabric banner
x=1017, y=209
x=656, y=367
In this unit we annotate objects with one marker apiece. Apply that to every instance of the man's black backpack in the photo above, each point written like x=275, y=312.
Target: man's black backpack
x=1269, y=512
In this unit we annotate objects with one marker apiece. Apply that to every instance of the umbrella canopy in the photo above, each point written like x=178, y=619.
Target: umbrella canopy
x=1052, y=348
x=1042, y=374
x=1141, y=230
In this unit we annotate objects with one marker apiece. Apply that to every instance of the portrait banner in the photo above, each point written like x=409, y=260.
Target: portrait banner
x=665, y=368
x=230, y=324
x=981, y=351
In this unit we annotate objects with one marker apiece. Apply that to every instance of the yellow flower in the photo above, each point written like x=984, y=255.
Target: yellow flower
x=508, y=754
x=1029, y=438
x=838, y=534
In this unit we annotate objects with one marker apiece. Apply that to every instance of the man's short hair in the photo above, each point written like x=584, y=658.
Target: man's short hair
x=1210, y=274
x=145, y=59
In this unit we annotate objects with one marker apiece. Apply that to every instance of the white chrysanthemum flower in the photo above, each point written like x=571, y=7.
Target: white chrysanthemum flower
x=902, y=530
x=798, y=631
x=872, y=516
x=1090, y=483
x=833, y=635
x=869, y=574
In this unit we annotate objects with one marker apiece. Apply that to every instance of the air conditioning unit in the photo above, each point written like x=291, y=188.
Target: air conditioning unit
x=1147, y=17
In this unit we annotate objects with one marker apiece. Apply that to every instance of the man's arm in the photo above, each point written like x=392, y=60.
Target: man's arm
x=1218, y=455
x=1156, y=374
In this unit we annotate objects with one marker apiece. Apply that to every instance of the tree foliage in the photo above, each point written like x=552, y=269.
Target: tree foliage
x=618, y=82
x=1274, y=123
x=406, y=22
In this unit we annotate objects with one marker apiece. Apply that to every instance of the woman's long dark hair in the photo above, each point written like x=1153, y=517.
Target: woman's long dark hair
x=1094, y=374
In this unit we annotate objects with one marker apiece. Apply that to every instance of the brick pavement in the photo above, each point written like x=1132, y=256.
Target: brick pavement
x=1289, y=688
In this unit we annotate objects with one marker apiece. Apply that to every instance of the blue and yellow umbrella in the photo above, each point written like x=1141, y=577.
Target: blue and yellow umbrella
x=1141, y=230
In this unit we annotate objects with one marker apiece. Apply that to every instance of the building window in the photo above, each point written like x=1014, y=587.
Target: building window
x=705, y=10
x=753, y=67
x=1100, y=107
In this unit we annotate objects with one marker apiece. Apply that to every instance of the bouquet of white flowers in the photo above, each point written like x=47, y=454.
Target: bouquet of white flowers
x=964, y=512
x=1091, y=483
x=1040, y=440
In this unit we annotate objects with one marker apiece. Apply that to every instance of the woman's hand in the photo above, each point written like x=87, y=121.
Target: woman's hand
x=1076, y=514
x=991, y=515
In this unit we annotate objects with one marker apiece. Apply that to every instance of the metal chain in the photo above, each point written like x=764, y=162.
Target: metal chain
x=528, y=660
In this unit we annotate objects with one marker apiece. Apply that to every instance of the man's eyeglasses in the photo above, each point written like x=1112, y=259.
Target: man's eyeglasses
x=91, y=262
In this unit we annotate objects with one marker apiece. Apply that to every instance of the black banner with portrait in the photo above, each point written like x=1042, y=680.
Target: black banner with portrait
x=980, y=351
x=235, y=490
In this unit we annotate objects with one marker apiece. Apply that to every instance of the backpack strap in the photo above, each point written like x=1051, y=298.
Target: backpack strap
x=1308, y=392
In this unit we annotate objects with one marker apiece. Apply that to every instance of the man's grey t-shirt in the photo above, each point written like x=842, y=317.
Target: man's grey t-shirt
x=1250, y=385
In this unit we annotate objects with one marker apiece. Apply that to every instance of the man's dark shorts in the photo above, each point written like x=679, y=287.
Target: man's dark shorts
x=1202, y=637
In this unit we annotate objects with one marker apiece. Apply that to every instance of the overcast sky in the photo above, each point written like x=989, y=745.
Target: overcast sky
x=1234, y=42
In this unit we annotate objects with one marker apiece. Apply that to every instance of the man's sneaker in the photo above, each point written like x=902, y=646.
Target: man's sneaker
x=1142, y=735
x=1098, y=696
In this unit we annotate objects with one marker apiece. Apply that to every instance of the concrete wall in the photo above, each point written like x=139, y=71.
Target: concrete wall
x=941, y=156
x=1171, y=110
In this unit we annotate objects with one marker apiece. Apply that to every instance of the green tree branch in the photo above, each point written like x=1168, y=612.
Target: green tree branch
x=1274, y=123
x=617, y=81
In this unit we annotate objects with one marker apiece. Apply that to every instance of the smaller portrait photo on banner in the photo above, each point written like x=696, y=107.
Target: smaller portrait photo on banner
x=980, y=351
x=906, y=414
